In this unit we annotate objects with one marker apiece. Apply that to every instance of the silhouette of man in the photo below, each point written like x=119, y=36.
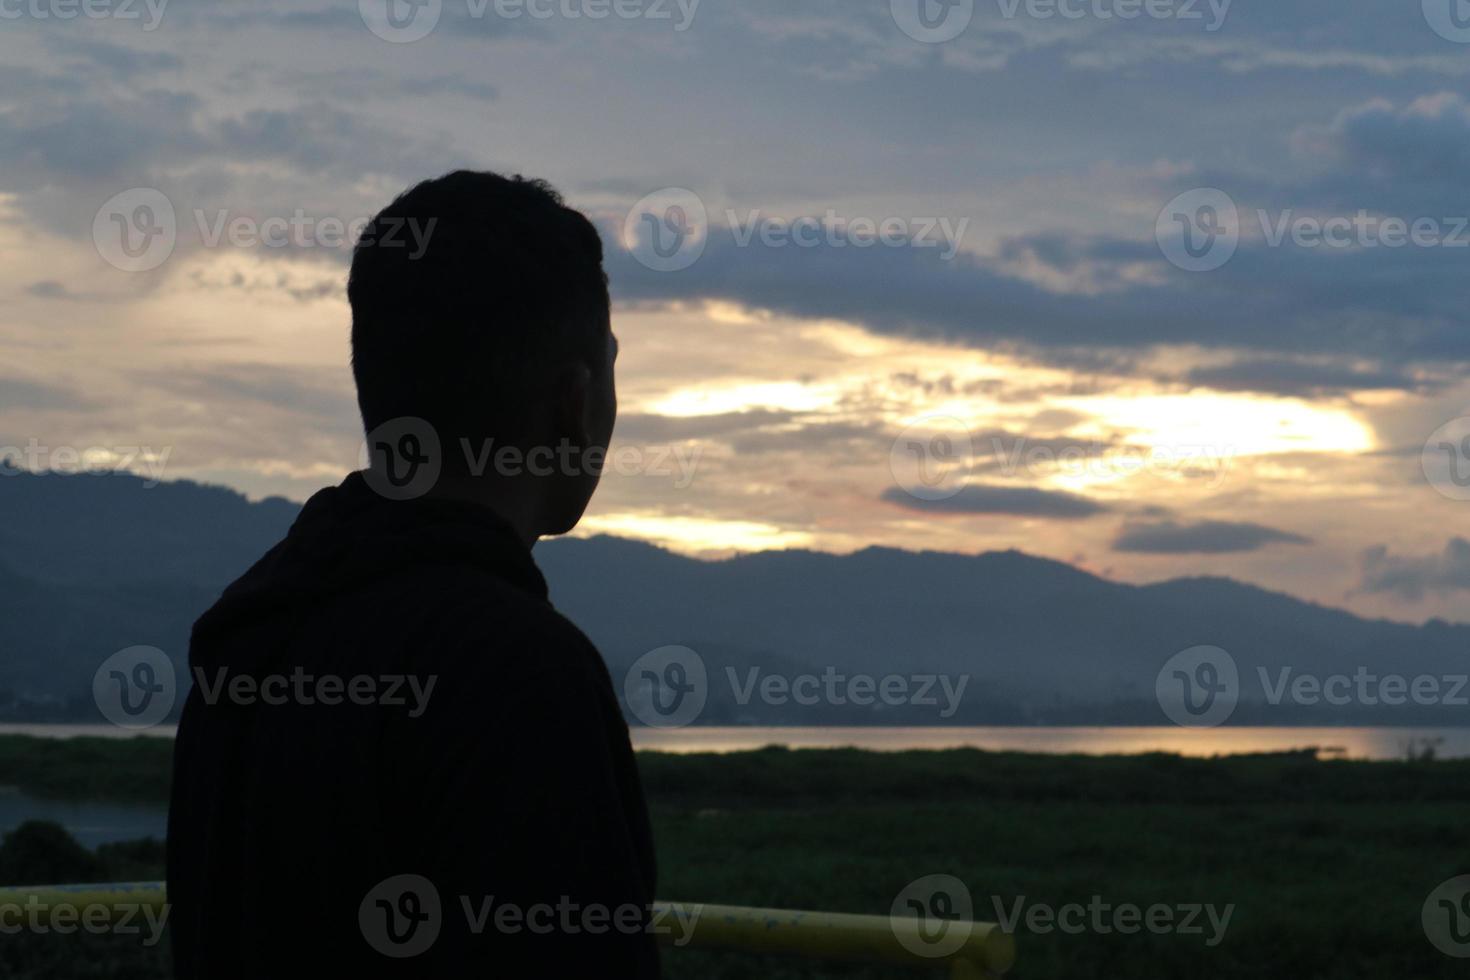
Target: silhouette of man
x=397, y=759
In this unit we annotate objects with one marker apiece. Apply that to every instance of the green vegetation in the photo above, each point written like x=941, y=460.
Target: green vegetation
x=38, y=852
x=112, y=770
x=1326, y=863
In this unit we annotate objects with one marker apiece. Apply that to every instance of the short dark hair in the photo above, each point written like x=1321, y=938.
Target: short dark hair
x=462, y=325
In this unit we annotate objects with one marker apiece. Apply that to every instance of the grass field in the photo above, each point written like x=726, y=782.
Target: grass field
x=1323, y=866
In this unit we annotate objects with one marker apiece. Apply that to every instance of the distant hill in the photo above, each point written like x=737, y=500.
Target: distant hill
x=115, y=528
x=92, y=564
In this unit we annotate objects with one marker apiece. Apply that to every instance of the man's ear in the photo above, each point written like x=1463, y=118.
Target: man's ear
x=574, y=404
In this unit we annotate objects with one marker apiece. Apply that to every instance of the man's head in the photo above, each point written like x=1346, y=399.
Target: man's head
x=479, y=305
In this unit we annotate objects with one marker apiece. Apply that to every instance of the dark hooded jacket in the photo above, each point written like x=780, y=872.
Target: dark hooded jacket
x=397, y=759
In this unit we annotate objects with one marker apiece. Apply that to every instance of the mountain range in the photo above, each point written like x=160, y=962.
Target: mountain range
x=90, y=564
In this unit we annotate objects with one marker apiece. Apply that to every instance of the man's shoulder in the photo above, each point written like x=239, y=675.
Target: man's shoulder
x=473, y=619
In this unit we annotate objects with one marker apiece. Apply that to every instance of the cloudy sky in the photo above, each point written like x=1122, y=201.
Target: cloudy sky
x=1157, y=288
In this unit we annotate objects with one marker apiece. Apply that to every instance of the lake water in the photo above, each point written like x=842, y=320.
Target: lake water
x=1353, y=743
x=90, y=823
x=95, y=824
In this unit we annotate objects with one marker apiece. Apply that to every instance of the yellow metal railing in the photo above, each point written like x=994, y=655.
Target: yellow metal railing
x=984, y=950
x=971, y=950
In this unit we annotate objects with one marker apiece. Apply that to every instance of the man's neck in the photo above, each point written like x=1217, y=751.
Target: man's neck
x=511, y=500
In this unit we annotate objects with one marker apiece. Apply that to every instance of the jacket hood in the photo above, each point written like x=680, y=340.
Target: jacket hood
x=347, y=536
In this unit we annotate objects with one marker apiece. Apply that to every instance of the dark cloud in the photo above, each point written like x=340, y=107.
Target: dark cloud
x=19, y=393
x=478, y=20
x=851, y=440
x=1012, y=501
x=1426, y=141
x=51, y=289
x=1292, y=377
x=313, y=137
x=356, y=85
x=116, y=61
x=646, y=427
x=1379, y=314
x=49, y=156
x=1383, y=304
x=1412, y=576
x=1200, y=537
x=52, y=136
x=308, y=391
